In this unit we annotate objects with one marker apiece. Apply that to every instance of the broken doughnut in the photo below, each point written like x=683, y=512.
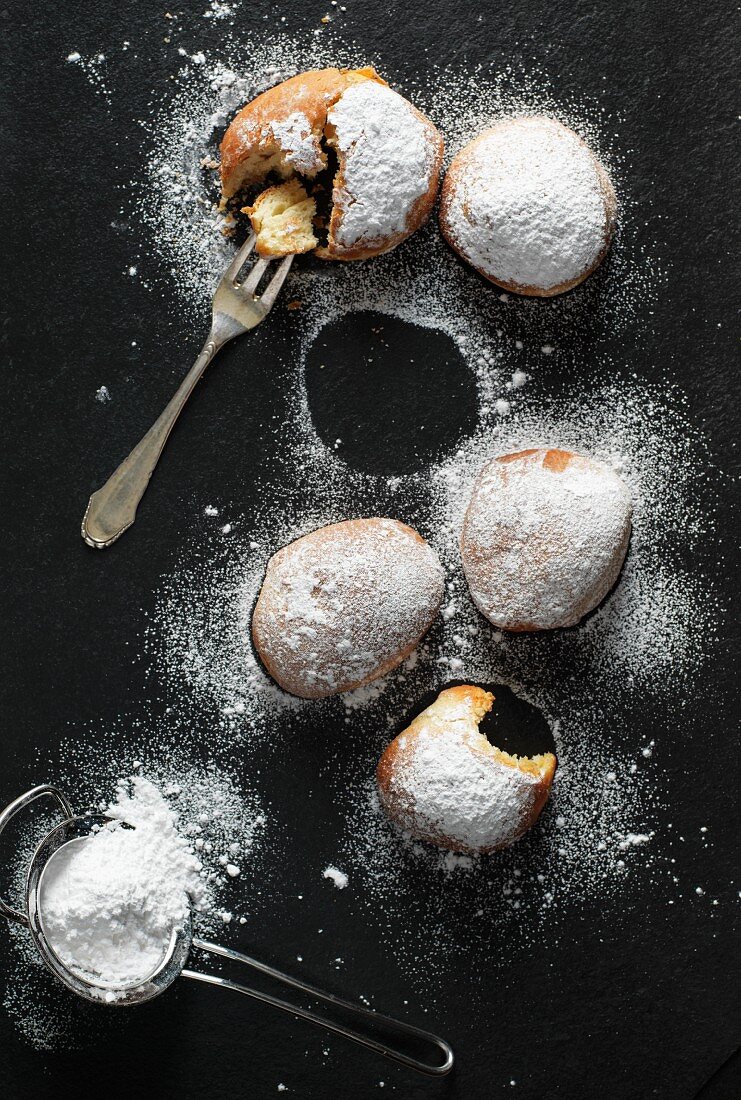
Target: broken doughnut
x=442, y=782
x=389, y=155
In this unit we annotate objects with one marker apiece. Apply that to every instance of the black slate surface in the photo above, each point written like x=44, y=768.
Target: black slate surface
x=624, y=1009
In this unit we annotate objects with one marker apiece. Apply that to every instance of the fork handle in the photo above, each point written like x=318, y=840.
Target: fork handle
x=112, y=508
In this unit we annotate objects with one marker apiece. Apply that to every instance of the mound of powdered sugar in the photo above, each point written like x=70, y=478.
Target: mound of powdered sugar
x=192, y=823
x=525, y=204
x=110, y=901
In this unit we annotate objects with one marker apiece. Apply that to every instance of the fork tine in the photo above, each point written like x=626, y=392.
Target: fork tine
x=277, y=281
x=238, y=262
x=249, y=286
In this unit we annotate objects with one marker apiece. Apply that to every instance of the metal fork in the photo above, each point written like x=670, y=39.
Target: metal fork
x=236, y=308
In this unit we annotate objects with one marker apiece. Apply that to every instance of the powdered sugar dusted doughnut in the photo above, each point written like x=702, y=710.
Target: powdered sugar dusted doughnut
x=443, y=782
x=390, y=157
x=345, y=604
x=544, y=537
x=529, y=206
x=389, y=154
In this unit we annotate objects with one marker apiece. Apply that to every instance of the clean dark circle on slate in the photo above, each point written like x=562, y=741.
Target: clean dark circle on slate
x=515, y=725
x=398, y=396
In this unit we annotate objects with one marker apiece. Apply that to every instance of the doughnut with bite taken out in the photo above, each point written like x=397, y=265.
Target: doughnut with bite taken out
x=442, y=782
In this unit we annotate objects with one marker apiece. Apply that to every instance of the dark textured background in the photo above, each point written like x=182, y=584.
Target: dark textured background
x=626, y=1009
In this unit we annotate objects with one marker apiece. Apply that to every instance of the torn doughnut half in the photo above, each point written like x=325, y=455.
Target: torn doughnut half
x=388, y=155
x=441, y=781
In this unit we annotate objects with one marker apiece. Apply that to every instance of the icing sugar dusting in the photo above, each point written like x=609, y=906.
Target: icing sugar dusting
x=543, y=539
x=443, y=782
x=651, y=635
x=466, y=796
x=388, y=161
x=176, y=198
x=526, y=205
x=298, y=143
x=655, y=630
x=344, y=603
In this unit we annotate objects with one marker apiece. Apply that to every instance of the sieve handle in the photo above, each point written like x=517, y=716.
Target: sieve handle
x=437, y=1068
x=10, y=811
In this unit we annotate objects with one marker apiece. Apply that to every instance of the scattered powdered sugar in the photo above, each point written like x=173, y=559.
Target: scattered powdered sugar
x=526, y=206
x=651, y=635
x=94, y=67
x=428, y=903
x=661, y=615
x=654, y=631
x=345, y=603
x=339, y=878
x=387, y=162
x=219, y=9
x=544, y=538
x=110, y=901
x=176, y=199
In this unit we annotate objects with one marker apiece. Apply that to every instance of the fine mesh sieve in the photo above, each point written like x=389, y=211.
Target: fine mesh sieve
x=381, y=1033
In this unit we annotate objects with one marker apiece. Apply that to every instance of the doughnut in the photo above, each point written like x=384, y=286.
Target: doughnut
x=441, y=781
x=528, y=205
x=544, y=537
x=281, y=219
x=389, y=155
x=345, y=604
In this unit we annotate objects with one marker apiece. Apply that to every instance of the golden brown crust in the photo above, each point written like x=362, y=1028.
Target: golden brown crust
x=434, y=722
x=250, y=150
x=457, y=170
x=553, y=458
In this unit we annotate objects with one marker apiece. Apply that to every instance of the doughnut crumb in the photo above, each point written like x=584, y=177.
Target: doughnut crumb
x=282, y=218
